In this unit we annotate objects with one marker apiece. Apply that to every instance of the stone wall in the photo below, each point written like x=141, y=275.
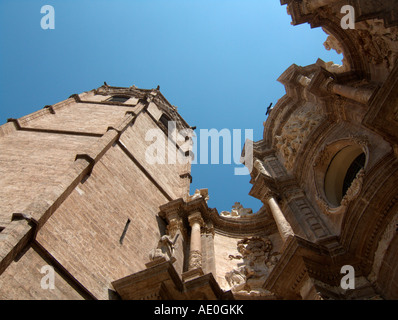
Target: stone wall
x=100, y=225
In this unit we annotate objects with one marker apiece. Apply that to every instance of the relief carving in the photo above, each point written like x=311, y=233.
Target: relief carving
x=195, y=259
x=332, y=43
x=377, y=45
x=256, y=262
x=355, y=188
x=323, y=156
x=295, y=132
x=351, y=194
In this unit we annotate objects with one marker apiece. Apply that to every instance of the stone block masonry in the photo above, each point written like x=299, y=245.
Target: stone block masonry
x=72, y=175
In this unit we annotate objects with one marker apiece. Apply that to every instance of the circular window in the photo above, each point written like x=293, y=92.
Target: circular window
x=342, y=171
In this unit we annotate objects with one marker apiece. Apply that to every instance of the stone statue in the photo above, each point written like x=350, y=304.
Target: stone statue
x=200, y=193
x=258, y=261
x=237, y=211
x=165, y=249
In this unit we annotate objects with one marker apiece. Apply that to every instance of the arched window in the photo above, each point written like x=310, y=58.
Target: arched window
x=342, y=171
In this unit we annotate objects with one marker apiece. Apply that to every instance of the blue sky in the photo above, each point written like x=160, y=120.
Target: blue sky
x=216, y=60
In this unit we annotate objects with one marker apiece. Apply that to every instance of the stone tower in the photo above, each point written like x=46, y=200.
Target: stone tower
x=79, y=194
x=92, y=207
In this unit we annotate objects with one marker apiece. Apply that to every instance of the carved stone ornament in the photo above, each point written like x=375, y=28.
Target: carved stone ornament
x=331, y=43
x=195, y=259
x=200, y=193
x=295, y=132
x=323, y=156
x=360, y=140
x=238, y=211
x=174, y=226
x=354, y=189
x=351, y=194
x=378, y=43
x=257, y=261
x=165, y=249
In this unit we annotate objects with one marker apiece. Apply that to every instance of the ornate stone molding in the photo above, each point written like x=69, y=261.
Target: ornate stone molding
x=323, y=156
x=351, y=194
x=295, y=132
x=257, y=261
x=181, y=209
x=355, y=188
x=174, y=226
x=195, y=218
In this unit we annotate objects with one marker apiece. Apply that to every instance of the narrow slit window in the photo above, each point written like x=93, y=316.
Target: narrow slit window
x=124, y=231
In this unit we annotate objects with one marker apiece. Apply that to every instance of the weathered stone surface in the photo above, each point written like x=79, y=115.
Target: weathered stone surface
x=78, y=192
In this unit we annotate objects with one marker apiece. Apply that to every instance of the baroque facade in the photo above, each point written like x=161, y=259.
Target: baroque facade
x=78, y=194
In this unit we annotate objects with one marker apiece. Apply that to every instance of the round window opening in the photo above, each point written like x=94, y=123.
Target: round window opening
x=342, y=171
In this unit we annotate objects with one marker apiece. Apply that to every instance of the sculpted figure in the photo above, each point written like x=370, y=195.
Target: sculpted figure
x=165, y=248
x=237, y=211
x=258, y=261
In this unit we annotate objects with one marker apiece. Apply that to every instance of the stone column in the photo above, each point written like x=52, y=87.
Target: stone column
x=195, y=253
x=361, y=95
x=284, y=228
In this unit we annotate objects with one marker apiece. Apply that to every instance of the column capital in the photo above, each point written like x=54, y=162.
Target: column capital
x=196, y=217
x=264, y=187
x=176, y=224
x=268, y=194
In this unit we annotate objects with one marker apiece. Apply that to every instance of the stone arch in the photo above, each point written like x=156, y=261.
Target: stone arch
x=337, y=172
x=330, y=169
x=369, y=217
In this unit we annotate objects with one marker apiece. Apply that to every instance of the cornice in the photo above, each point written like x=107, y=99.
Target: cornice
x=301, y=259
x=146, y=96
x=261, y=223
